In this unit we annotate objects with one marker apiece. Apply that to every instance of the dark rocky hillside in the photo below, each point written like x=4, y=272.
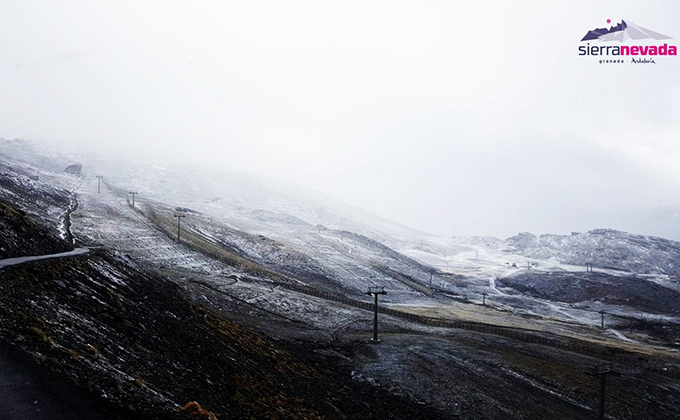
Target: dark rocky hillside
x=31, y=215
x=52, y=398
x=134, y=337
x=593, y=286
x=21, y=234
x=604, y=248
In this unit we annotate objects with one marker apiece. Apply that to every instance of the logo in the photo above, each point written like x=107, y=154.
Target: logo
x=641, y=45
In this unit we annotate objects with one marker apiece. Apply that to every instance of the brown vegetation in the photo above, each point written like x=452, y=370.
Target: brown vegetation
x=38, y=333
x=193, y=410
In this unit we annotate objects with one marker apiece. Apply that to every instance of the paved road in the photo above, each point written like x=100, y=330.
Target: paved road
x=21, y=260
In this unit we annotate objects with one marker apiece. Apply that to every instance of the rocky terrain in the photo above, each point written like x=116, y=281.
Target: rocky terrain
x=259, y=311
x=138, y=340
x=595, y=286
x=604, y=248
x=33, y=214
x=29, y=391
x=23, y=235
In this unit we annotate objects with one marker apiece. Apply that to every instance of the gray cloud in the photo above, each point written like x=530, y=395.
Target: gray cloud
x=474, y=119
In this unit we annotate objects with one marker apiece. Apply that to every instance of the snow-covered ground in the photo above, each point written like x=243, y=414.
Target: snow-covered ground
x=104, y=219
x=345, y=244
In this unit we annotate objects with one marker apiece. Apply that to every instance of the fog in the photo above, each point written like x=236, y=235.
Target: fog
x=474, y=118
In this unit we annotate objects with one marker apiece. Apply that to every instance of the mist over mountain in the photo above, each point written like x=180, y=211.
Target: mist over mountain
x=224, y=185
x=263, y=271
x=353, y=210
x=266, y=205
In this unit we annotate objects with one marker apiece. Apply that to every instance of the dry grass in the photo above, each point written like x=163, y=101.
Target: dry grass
x=38, y=333
x=193, y=410
x=72, y=354
x=38, y=321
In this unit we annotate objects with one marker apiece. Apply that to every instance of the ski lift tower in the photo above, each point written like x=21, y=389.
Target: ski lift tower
x=601, y=372
x=602, y=314
x=179, y=216
x=133, y=193
x=99, y=183
x=375, y=291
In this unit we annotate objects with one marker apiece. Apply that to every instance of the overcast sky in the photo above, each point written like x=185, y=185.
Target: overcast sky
x=460, y=118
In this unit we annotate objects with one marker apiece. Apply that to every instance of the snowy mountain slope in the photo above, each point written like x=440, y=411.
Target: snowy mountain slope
x=331, y=259
x=34, y=207
x=45, y=156
x=306, y=221
x=311, y=233
x=268, y=206
x=222, y=192
x=603, y=248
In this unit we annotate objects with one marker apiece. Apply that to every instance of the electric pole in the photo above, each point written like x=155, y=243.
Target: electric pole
x=484, y=295
x=430, y=279
x=602, y=316
x=376, y=291
x=133, y=197
x=179, y=219
x=601, y=371
x=99, y=183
